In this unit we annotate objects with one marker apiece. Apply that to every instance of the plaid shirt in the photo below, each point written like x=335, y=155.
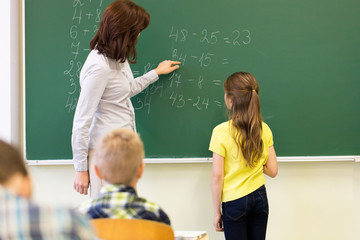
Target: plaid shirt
x=22, y=219
x=121, y=201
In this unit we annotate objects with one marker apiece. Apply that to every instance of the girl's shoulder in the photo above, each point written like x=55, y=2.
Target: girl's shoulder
x=223, y=125
x=222, y=128
x=265, y=127
x=267, y=133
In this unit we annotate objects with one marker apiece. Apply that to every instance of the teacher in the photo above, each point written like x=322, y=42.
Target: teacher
x=107, y=84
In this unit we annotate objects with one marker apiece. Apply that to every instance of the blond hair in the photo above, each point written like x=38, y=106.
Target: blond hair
x=119, y=155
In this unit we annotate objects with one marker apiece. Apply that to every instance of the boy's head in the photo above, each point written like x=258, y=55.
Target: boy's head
x=13, y=173
x=119, y=157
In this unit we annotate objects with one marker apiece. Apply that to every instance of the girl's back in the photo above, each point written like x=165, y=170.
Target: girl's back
x=242, y=152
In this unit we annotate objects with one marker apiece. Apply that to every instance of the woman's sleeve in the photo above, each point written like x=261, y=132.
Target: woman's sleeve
x=140, y=83
x=92, y=89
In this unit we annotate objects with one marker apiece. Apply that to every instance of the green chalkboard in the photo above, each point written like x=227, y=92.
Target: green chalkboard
x=305, y=55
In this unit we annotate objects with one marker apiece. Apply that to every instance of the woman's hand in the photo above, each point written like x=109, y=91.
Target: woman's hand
x=81, y=182
x=166, y=67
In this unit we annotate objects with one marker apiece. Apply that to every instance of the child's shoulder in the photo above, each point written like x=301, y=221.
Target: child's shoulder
x=223, y=125
x=267, y=133
x=265, y=127
x=222, y=128
x=84, y=206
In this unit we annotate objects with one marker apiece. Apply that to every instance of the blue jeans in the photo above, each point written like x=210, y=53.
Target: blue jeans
x=246, y=218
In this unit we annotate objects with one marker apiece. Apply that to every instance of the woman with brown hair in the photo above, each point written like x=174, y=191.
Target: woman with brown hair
x=107, y=84
x=242, y=152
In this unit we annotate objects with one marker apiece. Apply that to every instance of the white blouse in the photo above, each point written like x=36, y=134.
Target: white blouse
x=104, y=102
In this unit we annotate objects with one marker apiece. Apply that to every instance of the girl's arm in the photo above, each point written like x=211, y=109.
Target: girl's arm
x=217, y=179
x=271, y=166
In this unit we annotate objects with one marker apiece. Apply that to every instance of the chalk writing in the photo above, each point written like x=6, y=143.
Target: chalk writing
x=85, y=20
x=203, y=55
x=237, y=37
x=198, y=52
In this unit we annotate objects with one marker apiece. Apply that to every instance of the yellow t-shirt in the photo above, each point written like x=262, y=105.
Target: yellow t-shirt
x=239, y=179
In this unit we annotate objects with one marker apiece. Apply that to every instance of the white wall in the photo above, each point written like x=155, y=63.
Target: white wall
x=312, y=201
x=5, y=89
x=9, y=68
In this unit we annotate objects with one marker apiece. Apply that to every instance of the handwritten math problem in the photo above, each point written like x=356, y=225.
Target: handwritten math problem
x=237, y=37
x=85, y=20
x=198, y=63
x=196, y=49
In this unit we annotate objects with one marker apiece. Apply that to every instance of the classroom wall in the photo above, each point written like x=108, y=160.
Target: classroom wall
x=5, y=92
x=312, y=201
x=9, y=68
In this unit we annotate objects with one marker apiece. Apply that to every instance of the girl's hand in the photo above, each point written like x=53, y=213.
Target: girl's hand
x=167, y=66
x=218, y=225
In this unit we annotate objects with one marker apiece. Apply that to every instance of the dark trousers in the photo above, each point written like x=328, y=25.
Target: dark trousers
x=246, y=218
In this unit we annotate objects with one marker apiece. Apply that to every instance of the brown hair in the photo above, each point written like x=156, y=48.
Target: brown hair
x=120, y=26
x=119, y=155
x=243, y=89
x=11, y=162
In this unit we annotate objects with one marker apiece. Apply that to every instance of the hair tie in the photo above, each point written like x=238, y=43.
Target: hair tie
x=253, y=90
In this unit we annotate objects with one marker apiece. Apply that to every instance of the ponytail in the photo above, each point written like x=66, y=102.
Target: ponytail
x=245, y=113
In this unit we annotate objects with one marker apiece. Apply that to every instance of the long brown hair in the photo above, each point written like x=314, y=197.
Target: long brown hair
x=243, y=90
x=120, y=26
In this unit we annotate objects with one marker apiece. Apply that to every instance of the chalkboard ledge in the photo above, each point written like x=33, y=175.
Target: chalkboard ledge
x=209, y=160
x=320, y=159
